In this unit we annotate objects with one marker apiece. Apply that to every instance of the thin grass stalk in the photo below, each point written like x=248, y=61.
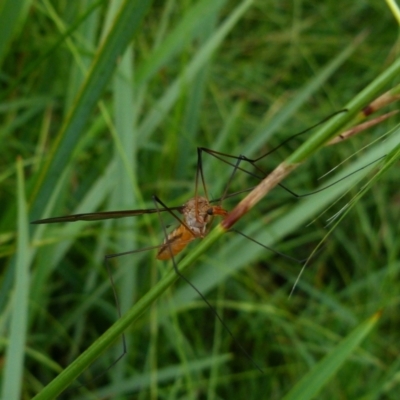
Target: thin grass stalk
x=313, y=382
x=15, y=352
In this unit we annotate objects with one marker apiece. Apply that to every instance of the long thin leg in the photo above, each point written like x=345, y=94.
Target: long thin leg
x=199, y=172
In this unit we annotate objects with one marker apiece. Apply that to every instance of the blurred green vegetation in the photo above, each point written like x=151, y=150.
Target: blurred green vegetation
x=106, y=108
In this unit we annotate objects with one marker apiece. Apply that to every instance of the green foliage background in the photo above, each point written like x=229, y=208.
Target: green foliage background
x=104, y=108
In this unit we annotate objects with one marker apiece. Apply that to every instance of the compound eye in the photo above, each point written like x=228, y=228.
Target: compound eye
x=210, y=211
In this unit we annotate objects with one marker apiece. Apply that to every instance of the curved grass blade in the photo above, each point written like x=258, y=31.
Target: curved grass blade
x=312, y=383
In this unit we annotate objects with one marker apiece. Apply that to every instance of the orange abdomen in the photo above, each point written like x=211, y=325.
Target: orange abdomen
x=177, y=240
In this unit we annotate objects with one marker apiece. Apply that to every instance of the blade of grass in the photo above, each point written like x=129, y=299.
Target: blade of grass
x=15, y=354
x=394, y=8
x=312, y=383
x=128, y=193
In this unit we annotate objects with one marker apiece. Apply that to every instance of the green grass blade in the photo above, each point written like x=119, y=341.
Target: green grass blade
x=312, y=383
x=128, y=194
x=15, y=354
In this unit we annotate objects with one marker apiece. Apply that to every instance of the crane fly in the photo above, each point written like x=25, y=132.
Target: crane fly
x=198, y=211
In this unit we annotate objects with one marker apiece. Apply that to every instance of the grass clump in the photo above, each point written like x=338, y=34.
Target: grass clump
x=105, y=104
